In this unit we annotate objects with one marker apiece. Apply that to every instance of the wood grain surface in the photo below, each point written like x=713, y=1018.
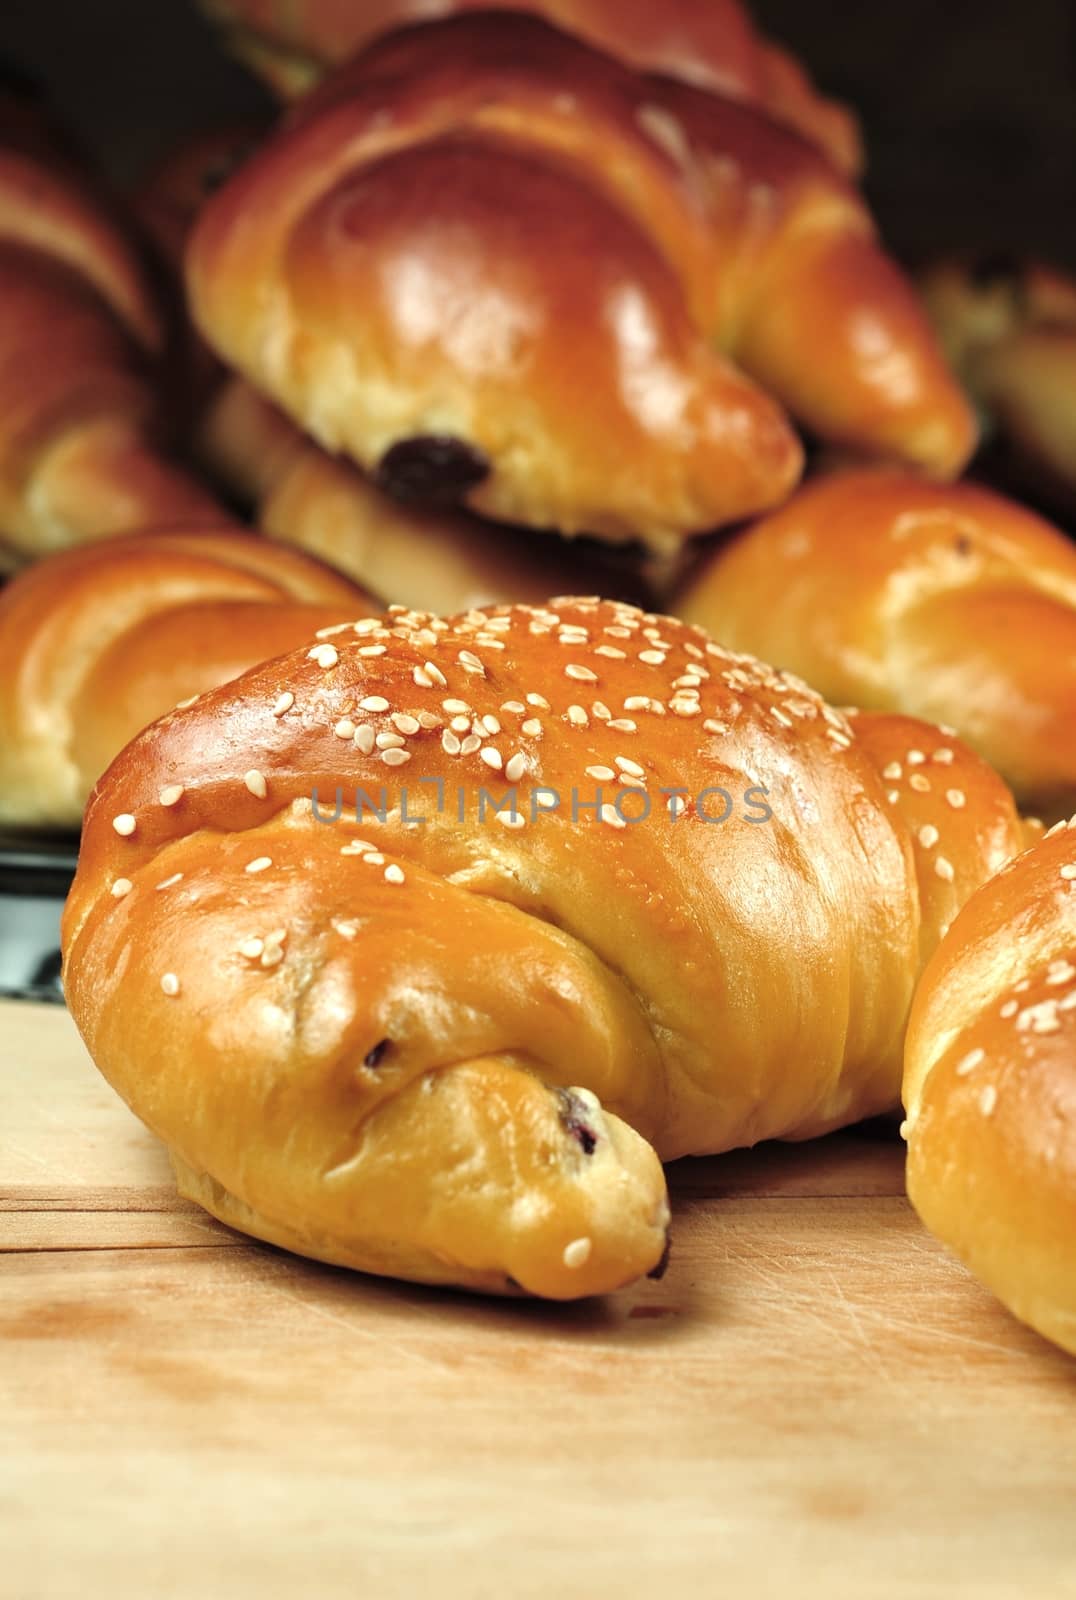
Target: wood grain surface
x=815, y=1401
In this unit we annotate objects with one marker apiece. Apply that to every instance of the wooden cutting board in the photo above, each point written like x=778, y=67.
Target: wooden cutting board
x=815, y=1401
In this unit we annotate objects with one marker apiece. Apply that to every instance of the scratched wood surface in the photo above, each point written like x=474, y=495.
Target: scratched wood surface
x=815, y=1401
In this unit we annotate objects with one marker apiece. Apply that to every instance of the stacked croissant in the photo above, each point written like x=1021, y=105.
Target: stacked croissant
x=438, y=913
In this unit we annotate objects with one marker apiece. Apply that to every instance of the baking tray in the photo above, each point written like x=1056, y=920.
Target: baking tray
x=35, y=874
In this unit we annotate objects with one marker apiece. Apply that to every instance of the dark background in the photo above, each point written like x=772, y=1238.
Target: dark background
x=969, y=106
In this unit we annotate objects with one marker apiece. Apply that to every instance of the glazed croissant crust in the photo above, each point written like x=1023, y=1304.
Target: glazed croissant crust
x=628, y=896
x=499, y=269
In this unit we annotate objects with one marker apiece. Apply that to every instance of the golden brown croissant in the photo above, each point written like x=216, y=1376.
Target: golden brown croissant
x=990, y=1088
x=711, y=43
x=1009, y=328
x=433, y=559
x=499, y=269
x=445, y=1041
x=79, y=332
x=949, y=602
x=96, y=642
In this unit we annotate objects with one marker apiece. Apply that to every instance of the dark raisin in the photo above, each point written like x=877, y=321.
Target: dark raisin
x=962, y=545
x=663, y=1265
x=374, y=1057
x=995, y=267
x=573, y=1114
x=431, y=470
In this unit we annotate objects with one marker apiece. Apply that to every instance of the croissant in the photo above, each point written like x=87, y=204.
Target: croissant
x=498, y=269
x=711, y=43
x=79, y=335
x=949, y=602
x=433, y=559
x=382, y=1023
x=990, y=1089
x=98, y=641
x=1009, y=328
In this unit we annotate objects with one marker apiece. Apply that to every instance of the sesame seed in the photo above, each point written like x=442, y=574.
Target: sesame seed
x=892, y=797
x=988, y=1100
x=394, y=874
x=611, y=816
x=580, y=674
x=345, y=927
x=421, y=679
x=710, y=726
x=928, y=836
x=623, y=725
x=389, y=741
x=920, y=784
x=345, y=728
x=285, y=703
x=365, y=738
x=577, y=1254
x=272, y=956
x=185, y=705
x=326, y=655
x=374, y=702
x=395, y=758
x=633, y=767
x=1010, y=1008
x=428, y=719
x=652, y=658
x=943, y=869
x=915, y=758
x=511, y=819
x=259, y=864
x=455, y=706
x=171, y=795
x=432, y=670
x=470, y=745
x=637, y=702
x=690, y=708
x=1060, y=972
x=450, y=743
x=601, y=710
x=490, y=724
x=601, y=774
x=405, y=722
x=460, y=724
x=168, y=883
x=255, y=782
x=578, y=717
x=532, y=728
x=169, y=984
x=515, y=767
x=677, y=805
x=944, y=757
x=371, y=650
x=516, y=707
x=956, y=798
x=973, y=1059
x=611, y=651
x=251, y=948
x=373, y=858
x=121, y=887
x=124, y=824
x=1068, y=872
x=365, y=625
x=492, y=757
x=893, y=773
x=540, y=701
